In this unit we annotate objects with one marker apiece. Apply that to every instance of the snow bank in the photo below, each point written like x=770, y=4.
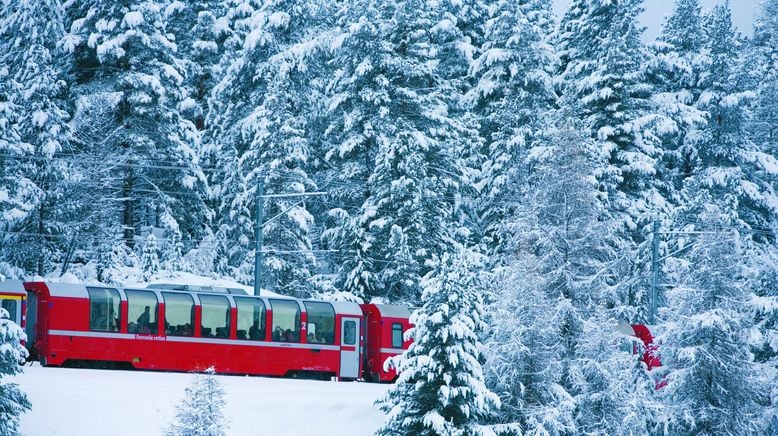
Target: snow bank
x=98, y=402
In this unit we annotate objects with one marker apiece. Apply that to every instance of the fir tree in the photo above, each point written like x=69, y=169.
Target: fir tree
x=126, y=59
x=524, y=364
x=712, y=388
x=265, y=137
x=602, y=59
x=440, y=389
x=393, y=144
x=201, y=411
x=511, y=99
x=13, y=402
x=150, y=259
x=36, y=66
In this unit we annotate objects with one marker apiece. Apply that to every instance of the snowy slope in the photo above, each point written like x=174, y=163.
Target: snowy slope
x=98, y=402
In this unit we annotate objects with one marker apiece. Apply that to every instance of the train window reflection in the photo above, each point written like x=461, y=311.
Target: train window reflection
x=349, y=333
x=397, y=335
x=10, y=306
x=216, y=316
x=103, y=309
x=321, y=322
x=179, y=314
x=286, y=320
x=251, y=318
x=142, y=310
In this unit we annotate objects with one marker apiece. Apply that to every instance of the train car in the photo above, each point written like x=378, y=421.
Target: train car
x=385, y=325
x=643, y=343
x=187, y=330
x=13, y=298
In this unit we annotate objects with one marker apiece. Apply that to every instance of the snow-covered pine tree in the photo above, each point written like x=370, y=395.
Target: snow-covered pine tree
x=30, y=37
x=728, y=164
x=149, y=261
x=615, y=392
x=126, y=60
x=201, y=413
x=440, y=389
x=199, y=45
x=524, y=353
x=567, y=238
x=13, y=402
x=713, y=385
x=765, y=42
x=393, y=144
x=602, y=69
x=269, y=95
x=511, y=100
x=675, y=67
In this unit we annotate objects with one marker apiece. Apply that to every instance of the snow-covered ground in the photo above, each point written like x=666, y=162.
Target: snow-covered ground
x=98, y=402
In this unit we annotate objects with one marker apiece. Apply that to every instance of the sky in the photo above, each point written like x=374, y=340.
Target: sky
x=743, y=13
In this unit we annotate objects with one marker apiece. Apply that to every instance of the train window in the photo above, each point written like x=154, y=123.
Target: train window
x=321, y=322
x=349, y=333
x=251, y=318
x=10, y=306
x=103, y=309
x=142, y=307
x=216, y=316
x=179, y=314
x=397, y=335
x=286, y=320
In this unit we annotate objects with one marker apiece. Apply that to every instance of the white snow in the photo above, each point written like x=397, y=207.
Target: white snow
x=87, y=402
x=132, y=19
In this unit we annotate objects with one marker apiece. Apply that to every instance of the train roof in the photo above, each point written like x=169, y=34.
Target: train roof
x=80, y=291
x=392, y=311
x=345, y=308
x=15, y=287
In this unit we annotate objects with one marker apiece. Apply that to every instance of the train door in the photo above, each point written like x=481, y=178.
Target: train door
x=349, y=348
x=32, y=317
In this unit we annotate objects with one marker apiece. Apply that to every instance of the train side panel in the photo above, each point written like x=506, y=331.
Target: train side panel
x=64, y=337
x=386, y=327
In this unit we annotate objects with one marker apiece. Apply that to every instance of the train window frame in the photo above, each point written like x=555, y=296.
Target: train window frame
x=285, y=334
x=397, y=326
x=180, y=329
x=12, y=315
x=323, y=331
x=111, y=301
x=214, y=331
x=349, y=332
x=240, y=302
x=152, y=326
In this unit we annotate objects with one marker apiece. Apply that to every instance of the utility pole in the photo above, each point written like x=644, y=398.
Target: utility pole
x=259, y=223
x=654, y=274
x=258, y=235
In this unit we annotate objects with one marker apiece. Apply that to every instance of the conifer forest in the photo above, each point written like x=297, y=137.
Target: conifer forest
x=526, y=180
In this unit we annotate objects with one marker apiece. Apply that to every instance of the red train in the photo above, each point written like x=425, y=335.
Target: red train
x=179, y=328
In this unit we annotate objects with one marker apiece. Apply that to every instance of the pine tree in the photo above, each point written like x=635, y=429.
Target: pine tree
x=127, y=60
x=201, y=411
x=712, y=388
x=13, y=402
x=393, y=144
x=602, y=59
x=765, y=42
x=440, y=389
x=524, y=354
x=30, y=39
x=615, y=394
x=674, y=70
x=265, y=135
x=150, y=259
x=511, y=99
